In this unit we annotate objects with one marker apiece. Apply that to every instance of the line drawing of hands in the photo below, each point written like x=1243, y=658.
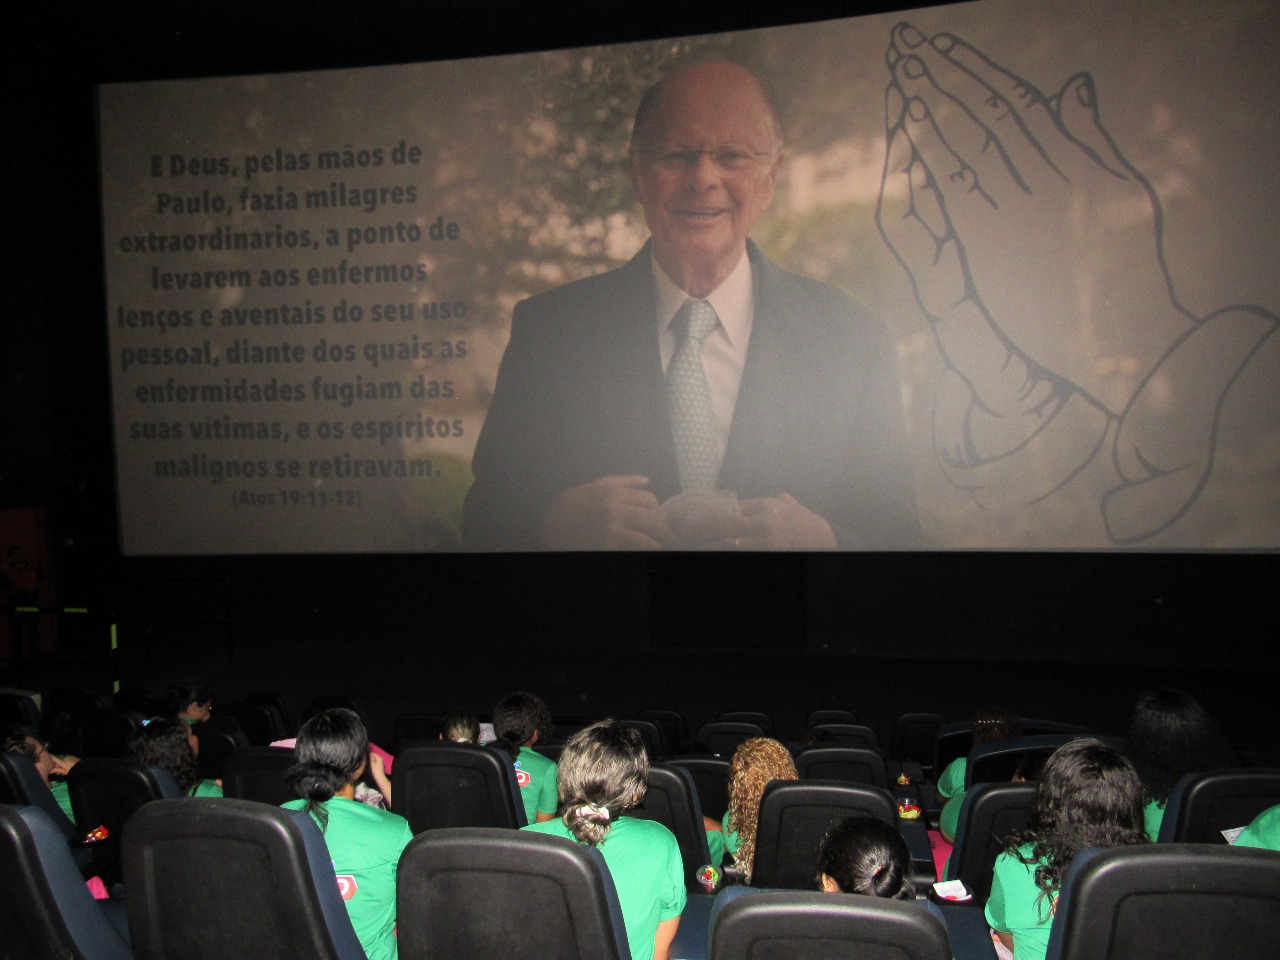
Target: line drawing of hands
x=999, y=203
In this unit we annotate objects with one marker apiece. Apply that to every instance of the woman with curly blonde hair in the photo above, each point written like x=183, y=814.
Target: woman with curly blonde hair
x=755, y=763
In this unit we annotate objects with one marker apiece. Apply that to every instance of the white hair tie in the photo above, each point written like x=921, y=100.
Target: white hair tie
x=591, y=810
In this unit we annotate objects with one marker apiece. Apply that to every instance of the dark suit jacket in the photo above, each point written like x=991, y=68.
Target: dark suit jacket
x=580, y=395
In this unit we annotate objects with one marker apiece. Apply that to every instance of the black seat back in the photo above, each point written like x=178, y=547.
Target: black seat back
x=478, y=894
x=1168, y=902
x=722, y=737
x=46, y=910
x=847, y=764
x=794, y=817
x=998, y=762
x=456, y=785
x=795, y=925
x=672, y=800
x=258, y=773
x=711, y=777
x=842, y=735
x=990, y=812
x=265, y=878
x=1202, y=805
x=106, y=793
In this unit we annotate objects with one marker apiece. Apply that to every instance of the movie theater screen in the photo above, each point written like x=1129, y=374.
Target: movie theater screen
x=1015, y=289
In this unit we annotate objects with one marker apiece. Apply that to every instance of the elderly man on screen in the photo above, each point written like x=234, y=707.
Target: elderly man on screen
x=700, y=396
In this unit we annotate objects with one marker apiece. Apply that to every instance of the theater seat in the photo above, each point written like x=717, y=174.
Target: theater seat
x=1168, y=902
x=989, y=813
x=456, y=785
x=46, y=909
x=849, y=764
x=481, y=894
x=796, y=814
x=223, y=878
x=672, y=800
x=807, y=925
x=711, y=777
x=722, y=737
x=1202, y=805
x=258, y=773
x=106, y=792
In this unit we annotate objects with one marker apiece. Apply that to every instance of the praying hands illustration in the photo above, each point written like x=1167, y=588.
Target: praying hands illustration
x=1000, y=203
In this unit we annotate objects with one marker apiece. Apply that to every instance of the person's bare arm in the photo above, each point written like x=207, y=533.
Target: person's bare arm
x=662, y=941
x=379, y=772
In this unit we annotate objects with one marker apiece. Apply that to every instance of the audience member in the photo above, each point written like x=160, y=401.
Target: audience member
x=461, y=726
x=1263, y=832
x=603, y=773
x=47, y=765
x=1171, y=734
x=1088, y=796
x=865, y=855
x=173, y=746
x=990, y=725
x=190, y=703
x=519, y=722
x=755, y=764
x=365, y=843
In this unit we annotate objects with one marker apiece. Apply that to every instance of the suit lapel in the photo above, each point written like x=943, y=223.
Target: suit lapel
x=781, y=358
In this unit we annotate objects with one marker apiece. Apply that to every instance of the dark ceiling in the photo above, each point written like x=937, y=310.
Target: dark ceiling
x=151, y=39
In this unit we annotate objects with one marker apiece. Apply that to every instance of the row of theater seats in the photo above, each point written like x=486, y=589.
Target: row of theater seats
x=232, y=878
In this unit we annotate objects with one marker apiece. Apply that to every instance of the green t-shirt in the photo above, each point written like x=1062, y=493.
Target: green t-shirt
x=644, y=861
x=1019, y=907
x=1152, y=817
x=1263, y=832
x=730, y=836
x=206, y=788
x=63, y=797
x=365, y=844
x=952, y=780
x=536, y=776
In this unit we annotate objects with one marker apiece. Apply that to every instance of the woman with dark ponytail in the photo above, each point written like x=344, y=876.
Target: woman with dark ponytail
x=603, y=773
x=364, y=842
x=520, y=721
x=867, y=856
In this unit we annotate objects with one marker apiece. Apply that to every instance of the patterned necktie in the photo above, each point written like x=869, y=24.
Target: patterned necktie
x=693, y=419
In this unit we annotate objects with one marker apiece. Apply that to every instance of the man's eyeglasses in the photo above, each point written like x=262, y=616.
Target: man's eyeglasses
x=726, y=158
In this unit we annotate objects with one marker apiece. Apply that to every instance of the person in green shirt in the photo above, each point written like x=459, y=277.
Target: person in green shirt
x=1263, y=832
x=364, y=841
x=519, y=722
x=603, y=774
x=990, y=725
x=1088, y=796
x=173, y=745
x=48, y=765
x=1171, y=734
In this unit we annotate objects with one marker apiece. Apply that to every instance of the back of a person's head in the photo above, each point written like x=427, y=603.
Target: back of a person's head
x=460, y=726
x=756, y=763
x=866, y=856
x=517, y=718
x=182, y=695
x=165, y=743
x=1171, y=734
x=1088, y=796
x=331, y=749
x=995, y=725
x=603, y=772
